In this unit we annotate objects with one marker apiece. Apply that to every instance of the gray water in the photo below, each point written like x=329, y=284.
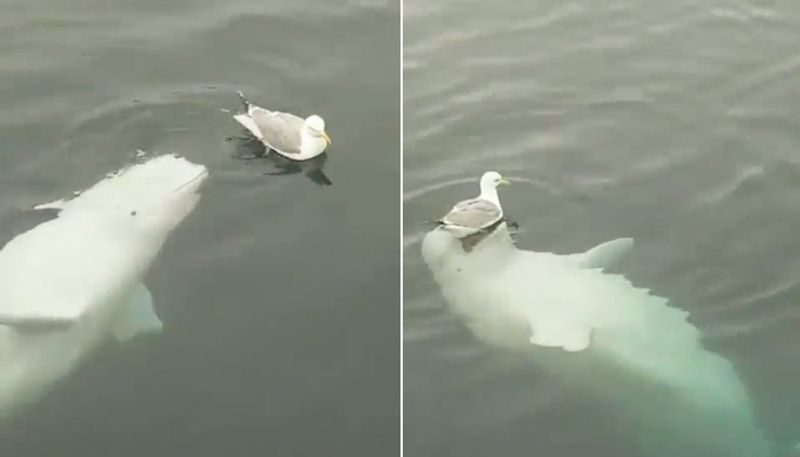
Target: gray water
x=675, y=123
x=279, y=298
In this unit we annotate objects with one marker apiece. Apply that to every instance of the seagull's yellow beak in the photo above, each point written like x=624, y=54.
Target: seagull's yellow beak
x=505, y=181
x=326, y=137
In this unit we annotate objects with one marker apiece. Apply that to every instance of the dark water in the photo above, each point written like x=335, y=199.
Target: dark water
x=675, y=123
x=279, y=298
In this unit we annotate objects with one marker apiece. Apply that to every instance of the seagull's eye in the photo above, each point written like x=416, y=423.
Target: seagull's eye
x=133, y=213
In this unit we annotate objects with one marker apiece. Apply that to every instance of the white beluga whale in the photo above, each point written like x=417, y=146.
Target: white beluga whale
x=596, y=332
x=72, y=283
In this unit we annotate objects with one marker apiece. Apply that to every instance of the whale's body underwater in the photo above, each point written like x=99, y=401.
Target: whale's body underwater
x=72, y=283
x=597, y=332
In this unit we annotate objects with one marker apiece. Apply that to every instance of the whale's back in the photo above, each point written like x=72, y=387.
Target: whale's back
x=645, y=360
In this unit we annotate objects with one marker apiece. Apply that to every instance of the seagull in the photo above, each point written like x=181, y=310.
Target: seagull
x=290, y=136
x=476, y=215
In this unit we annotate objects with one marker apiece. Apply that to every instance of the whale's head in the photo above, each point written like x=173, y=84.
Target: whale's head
x=146, y=200
x=164, y=191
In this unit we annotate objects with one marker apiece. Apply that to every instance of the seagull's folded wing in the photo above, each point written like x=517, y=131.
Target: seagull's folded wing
x=277, y=131
x=476, y=213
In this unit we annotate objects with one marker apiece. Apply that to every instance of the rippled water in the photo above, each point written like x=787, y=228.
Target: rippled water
x=671, y=122
x=279, y=297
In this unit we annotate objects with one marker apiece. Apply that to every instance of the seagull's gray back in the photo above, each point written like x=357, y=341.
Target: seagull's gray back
x=295, y=121
x=475, y=213
x=280, y=131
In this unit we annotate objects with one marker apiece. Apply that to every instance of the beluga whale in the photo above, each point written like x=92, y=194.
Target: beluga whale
x=72, y=283
x=597, y=333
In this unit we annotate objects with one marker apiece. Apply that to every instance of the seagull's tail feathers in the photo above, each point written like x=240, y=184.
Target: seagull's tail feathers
x=245, y=103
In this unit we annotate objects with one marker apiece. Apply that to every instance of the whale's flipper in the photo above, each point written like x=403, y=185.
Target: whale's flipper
x=137, y=316
x=603, y=255
x=37, y=323
x=571, y=337
x=42, y=319
x=57, y=205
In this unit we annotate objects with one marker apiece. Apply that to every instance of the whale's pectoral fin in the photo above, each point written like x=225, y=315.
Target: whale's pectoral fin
x=42, y=318
x=137, y=316
x=571, y=338
x=604, y=255
x=59, y=205
x=37, y=323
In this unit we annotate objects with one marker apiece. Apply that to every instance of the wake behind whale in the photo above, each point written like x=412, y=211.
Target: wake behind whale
x=71, y=283
x=598, y=332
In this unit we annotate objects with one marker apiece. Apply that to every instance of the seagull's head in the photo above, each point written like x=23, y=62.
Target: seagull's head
x=316, y=125
x=492, y=179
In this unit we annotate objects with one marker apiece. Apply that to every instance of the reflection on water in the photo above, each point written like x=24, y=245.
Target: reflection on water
x=249, y=148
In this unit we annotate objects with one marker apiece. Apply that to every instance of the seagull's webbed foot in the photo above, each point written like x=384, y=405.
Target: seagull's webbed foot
x=245, y=156
x=248, y=148
x=248, y=156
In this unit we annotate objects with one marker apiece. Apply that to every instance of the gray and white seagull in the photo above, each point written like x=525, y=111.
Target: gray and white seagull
x=476, y=215
x=290, y=136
